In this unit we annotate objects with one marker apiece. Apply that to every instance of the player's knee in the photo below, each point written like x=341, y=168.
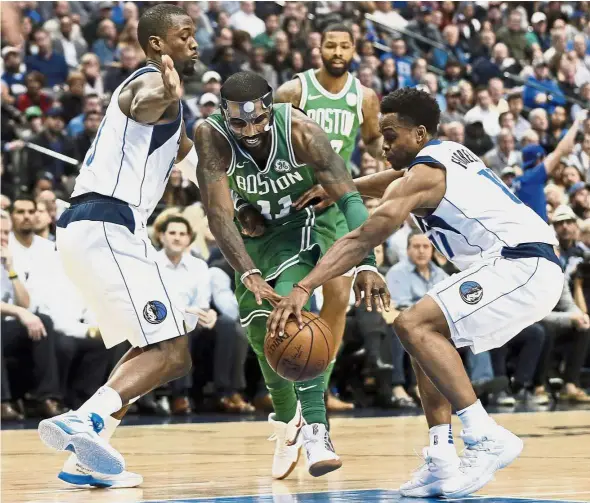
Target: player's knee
x=405, y=326
x=336, y=300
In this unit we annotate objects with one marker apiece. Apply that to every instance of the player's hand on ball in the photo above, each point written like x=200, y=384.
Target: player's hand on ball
x=261, y=289
x=373, y=287
x=288, y=306
x=170, y=78
x=317, y=192
x=252, y=222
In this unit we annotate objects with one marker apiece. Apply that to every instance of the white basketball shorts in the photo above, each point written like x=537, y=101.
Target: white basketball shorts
x=106, y=252
x=488, y=304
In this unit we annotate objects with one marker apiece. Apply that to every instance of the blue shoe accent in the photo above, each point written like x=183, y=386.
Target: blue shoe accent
x=82, y=480
x=97, y=422
x=64, y=427
x=70, y=448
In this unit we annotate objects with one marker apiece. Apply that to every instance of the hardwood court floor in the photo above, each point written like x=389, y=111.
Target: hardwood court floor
x=182, y=462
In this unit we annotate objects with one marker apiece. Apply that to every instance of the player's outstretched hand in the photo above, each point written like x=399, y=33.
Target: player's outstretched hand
x=261, y=289
x=170, y=78
x=288, y=306
x=375, y=291
x=317, y=193
x=252, y=222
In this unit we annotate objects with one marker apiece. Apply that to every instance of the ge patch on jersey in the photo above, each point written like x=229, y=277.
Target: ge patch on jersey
x=471, y=292
x=282, y=166
x=155, y=312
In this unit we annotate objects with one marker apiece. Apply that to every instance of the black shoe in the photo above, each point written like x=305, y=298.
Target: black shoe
x=392, y=402
x=490, y=386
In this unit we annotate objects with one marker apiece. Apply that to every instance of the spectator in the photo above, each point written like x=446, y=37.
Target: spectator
x=538, y=34
x=35, y=96
x=84, y=139
x=90, y=66
x=203, y=28
x=456, y=132
x=418, y=70
x=540, y=125
x=579, y=200
x=566, y=227
x=567, y=323
x=90, y=31
x=115, y=76
x=496, y=90
x=515, y=106
x=513, y=35
x=106, y=45
x=72, y=99
x=92, y=103
x=432, y=84
x=266, y=39
x=13, y=74
x=257, y=65
x=558, y=45
x=541, y=91
x=423, y=26
x=484, y=113
x=43, y=222
x=246, y=20
x=453, y=50
x=403, y=63
x=389, y=78
x=52, y=137
x=52, y=65
x=66, y=43
x=278, y=58
x=504, y=154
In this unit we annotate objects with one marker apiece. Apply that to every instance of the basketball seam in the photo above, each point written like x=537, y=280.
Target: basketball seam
x=324, y=335
x=308, y=354
x=281, y=355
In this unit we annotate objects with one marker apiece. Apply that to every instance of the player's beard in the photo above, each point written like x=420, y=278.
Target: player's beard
x=188, y=68
x=336, y=71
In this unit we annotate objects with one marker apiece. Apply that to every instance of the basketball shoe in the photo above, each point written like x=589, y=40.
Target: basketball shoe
x=484, y=455
x=427, y=481
x=76, y=474
x=78, y=433
x=321, y=456
x=287, y=443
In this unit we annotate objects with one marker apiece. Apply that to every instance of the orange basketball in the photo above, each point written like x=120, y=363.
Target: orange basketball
x=301, y=355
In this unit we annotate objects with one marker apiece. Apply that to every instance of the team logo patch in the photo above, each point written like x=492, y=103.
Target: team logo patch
x=282, y=166
x=351, y=99
x=155, y=312
x=471, y=292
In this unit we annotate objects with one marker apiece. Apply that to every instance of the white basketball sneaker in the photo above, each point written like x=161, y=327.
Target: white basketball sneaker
x=76, y=474
x=321, y=456
x=79, y=434
x=427, y=480
x=287, y=444
x=484, y=455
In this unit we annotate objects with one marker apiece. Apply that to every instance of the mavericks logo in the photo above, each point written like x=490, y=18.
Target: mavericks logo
x=471, y=292
x=155, y=312
x=282, y=166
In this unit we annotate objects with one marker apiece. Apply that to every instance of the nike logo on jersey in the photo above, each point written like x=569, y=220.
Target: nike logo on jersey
x=241, y=164
x=315, y=97
x=306, y=388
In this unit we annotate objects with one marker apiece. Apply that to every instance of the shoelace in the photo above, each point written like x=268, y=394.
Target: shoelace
x=427, y=463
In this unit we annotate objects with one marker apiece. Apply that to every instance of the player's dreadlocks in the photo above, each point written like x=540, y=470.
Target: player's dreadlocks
x=414, y=106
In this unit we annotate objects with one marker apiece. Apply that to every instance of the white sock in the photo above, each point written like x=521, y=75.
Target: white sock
x=104, y=402
x=110, y=425
x=474, y=417
x=441, y=435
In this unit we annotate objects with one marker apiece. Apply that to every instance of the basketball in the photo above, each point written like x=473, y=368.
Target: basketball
x=301, y=355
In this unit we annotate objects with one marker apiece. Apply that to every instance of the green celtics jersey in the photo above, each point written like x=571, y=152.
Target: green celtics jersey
x=339, y=115
x=271, y=188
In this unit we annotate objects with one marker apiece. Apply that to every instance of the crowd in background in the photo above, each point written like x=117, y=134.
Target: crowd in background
x=510, y=79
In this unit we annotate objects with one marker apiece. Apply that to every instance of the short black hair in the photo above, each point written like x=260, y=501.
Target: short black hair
x=22, y=196
x=244, y=86
x=414, y=106
x=177, y=219
x=413, y=233
x=337, y=27
x=156, y=21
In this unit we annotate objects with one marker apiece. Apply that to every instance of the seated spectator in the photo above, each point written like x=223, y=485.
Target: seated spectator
x=43, y=223
x=91, y=103
x=538, y=35
x=25, y=331
x=513, y=35
x=496, y=90
x=66, y=43
x=195, y=295
x=541, y=91
x=13, y=74
x=72, y=100
x=566, y=324
x=34, y=96
x=579, y=200
x=90, y=67
x=245, y=19
x=515, y=106
x=456, y=132
x=52, y=65
x=257, y=65
x=504, y=154
x=476, y=138
x=83, y=140
x=484, y=113
x=266, y=39
x=106, y=45
x=116, y=75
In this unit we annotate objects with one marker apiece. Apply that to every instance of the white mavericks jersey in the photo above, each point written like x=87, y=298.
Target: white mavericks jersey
x=478, y=217
x=130, y=161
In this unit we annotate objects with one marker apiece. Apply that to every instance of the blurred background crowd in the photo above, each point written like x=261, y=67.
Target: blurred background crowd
x=510, y=79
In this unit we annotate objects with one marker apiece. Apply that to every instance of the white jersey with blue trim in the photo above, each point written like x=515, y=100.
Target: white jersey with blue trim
x=128, y=160
x=478, y=217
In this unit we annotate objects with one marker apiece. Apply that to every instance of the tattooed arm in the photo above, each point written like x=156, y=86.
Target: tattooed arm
x=214, y=160
x=289, y=92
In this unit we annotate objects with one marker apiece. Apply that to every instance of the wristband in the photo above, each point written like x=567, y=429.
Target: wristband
x=12, y=275
x=297, y=285
x=249, y=272
x=370, y=268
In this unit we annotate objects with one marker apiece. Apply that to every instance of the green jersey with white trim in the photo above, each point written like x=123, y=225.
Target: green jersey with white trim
x=339, y=115
x=271, y=188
